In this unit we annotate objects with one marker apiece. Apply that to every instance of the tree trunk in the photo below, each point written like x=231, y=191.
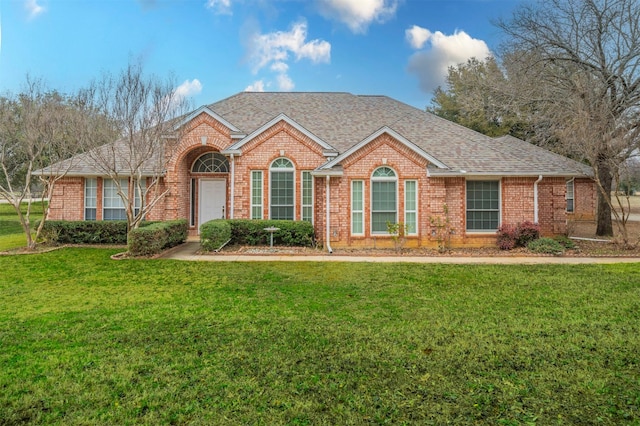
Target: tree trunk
x=604, y=224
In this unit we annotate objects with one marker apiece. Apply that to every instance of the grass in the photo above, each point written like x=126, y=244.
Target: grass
x=11, y=233
x=86, y=340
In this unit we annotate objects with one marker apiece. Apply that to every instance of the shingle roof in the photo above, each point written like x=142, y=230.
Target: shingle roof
x=342, y=120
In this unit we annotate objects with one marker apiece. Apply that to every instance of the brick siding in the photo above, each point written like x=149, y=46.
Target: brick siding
x=204, y=134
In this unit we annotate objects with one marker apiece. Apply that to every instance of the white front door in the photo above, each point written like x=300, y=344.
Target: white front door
x=212, y=200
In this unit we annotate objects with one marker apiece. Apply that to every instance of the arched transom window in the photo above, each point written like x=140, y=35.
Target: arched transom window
x=384, y=199
x=211, y=162
x=282, y=189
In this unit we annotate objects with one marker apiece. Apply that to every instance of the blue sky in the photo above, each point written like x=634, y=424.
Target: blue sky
x=216, y=48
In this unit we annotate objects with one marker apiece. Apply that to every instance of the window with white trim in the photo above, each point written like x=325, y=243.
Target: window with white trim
x=256, y=194
x=282, y=199
x=384, y=199
x=483, y=205
x=211, y=162
x=570, y=196
x=411, y=206
x=90, y=198
x=113, y=207
x=357, y=207
x=307, y=196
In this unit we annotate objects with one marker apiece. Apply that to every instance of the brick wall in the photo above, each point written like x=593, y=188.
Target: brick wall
x=67, y=201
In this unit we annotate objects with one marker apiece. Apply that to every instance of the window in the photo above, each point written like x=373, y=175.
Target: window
x=282, y=190
x=357, y=207
x=90, y=198
x=113, y=207
x=570, y=196
x=211, y=162
x=307, y=196
x=256, y=194
x=411, y=206
x=483, y=205
x=383, y=199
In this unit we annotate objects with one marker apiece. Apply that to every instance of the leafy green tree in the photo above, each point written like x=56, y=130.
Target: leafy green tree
x=475, y=97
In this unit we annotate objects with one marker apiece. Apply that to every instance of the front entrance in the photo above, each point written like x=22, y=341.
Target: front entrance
x=212, y=196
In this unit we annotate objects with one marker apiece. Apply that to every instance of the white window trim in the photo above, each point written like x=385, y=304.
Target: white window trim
x=381, y=179
x=361, y=212
x=415, y=202
x=483, y=231
x=573, y=195
x=302, y=204
x=124, y=183
x=94, y=197
x=293, y=170
x=251, y=188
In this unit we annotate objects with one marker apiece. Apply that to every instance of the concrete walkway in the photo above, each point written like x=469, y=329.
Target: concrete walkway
x=189, y=251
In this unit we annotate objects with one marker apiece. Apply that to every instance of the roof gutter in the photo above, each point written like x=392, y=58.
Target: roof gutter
x=463, y=173
x=535, y=199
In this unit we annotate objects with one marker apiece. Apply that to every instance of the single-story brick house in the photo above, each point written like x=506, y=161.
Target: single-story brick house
x=349, y=164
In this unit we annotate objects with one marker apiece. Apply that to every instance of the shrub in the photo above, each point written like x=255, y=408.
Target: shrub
x=506, y=237
x=214, y=234
x=520, y=235
x=154, y=238
x=251, y=232
x=84, y=232
x=526, y=232
x=546, y=246
x=565, y=242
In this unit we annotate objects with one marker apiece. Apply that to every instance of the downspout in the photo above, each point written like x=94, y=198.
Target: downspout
x=535, y=199
x=328, y=218
x=233, y=184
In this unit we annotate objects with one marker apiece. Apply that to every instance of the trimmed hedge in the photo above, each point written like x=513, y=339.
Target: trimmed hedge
x=251, y=232
x=154, y=238
x=214, y=234
x=85, y=232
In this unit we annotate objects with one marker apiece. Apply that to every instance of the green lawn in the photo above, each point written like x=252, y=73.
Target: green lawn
x=88, y=340
x=11, y=233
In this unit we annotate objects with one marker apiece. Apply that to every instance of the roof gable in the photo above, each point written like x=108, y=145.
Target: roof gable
x=395, y=135
x=206, y=110
x=237, y=147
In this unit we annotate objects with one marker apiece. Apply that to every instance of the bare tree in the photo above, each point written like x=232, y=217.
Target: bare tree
x=577, y=63
x=143, y=112
x=36, y=129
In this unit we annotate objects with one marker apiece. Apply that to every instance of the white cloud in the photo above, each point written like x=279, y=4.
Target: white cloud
x=188, y=88
x=417, y=36
x=431, y=65
x=182, y=92
x=276, y=47
x=279, y=67
x=220, y=7
x=256, y=86
x=33, y=8
x=274, y=50
x=285, y=83
x=358, y=14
